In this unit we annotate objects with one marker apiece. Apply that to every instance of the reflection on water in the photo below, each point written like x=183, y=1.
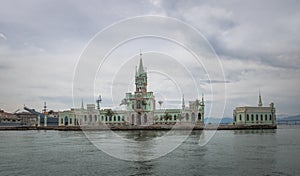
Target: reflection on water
x=248, y=152
x=256, y=131
x=139, y=145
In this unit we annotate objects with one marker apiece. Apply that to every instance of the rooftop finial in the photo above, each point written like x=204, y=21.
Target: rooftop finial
x=82, y=107
x=141, y=53
x=259, y=100
x=183, y=104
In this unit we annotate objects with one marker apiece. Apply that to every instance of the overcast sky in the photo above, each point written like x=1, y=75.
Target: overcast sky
x=257, y=42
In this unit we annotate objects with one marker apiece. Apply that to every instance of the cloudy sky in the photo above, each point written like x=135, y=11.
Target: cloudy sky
x=257, y=42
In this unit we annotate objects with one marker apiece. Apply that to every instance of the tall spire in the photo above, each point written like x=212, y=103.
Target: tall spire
x=82, y=107
x=202, y=101
x=141, y=67
x=183, y=104
x=259, y=100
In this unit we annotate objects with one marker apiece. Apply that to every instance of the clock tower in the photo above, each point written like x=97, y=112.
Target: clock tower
x=141, y=78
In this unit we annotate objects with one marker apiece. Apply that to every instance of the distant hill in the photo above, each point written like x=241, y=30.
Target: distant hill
x=289, y=118
x=224, y=120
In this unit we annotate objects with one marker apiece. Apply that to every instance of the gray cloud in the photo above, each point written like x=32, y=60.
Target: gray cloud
x=257, y=42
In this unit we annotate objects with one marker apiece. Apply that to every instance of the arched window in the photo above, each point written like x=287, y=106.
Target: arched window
x=123, y=118
x=256, y=117
x=187, y=117
x=247, y=117
x=114, y=118
x=66, y=120
x=199, y=116
x=132, y=119
x=106, y=119
x=266, y=117
x=85, y=118
x=240, y=117
x=102, y=118
x=70, y=120
x=145, y=118
x=138, y=104
x=119, y=118
x=252, y=118
x=261, y=117
x=270, y=117
x=95, y=118
x=175, y=117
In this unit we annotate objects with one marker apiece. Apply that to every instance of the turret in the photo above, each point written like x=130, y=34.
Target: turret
x=141, y=78
x=259, y=100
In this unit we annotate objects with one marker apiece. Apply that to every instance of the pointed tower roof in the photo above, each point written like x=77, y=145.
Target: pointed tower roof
x=141, y=67
x=183, y=104
x=82, y=107
x=259, y=100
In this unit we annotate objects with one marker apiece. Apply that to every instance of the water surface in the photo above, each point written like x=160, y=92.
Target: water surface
x=248, y=152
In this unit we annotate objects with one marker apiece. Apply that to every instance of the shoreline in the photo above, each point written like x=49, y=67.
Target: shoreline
x=130, y=128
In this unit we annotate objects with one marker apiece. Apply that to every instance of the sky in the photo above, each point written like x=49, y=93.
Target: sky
x=256, y=42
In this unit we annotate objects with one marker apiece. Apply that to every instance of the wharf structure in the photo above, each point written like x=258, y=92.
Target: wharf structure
x=140, y=110
x=255, y=115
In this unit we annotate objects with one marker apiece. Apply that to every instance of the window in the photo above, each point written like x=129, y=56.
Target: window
x=261, y=117
x=90, y=119
x=247, y=117
x=61, y=120
x=256, y=117
x=270, y=117
x=85, y=118
x=252, y=118
x=266, y=117
x=119, y=118
x=199, y=116
x=102, y=118
x=186, y=116
x=138, y=104
x=114, y=118
x=132, y=119
x=175, y=117
x=240, y=117
x=110, y=119
x=95, y=118
x=123, y=118
x=145, y=118
x=70, y=120
x=106, y=118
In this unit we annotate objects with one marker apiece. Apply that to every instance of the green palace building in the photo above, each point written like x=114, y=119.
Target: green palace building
x=140, y=110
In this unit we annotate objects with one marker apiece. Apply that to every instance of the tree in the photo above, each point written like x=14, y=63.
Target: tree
x=109, y=113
